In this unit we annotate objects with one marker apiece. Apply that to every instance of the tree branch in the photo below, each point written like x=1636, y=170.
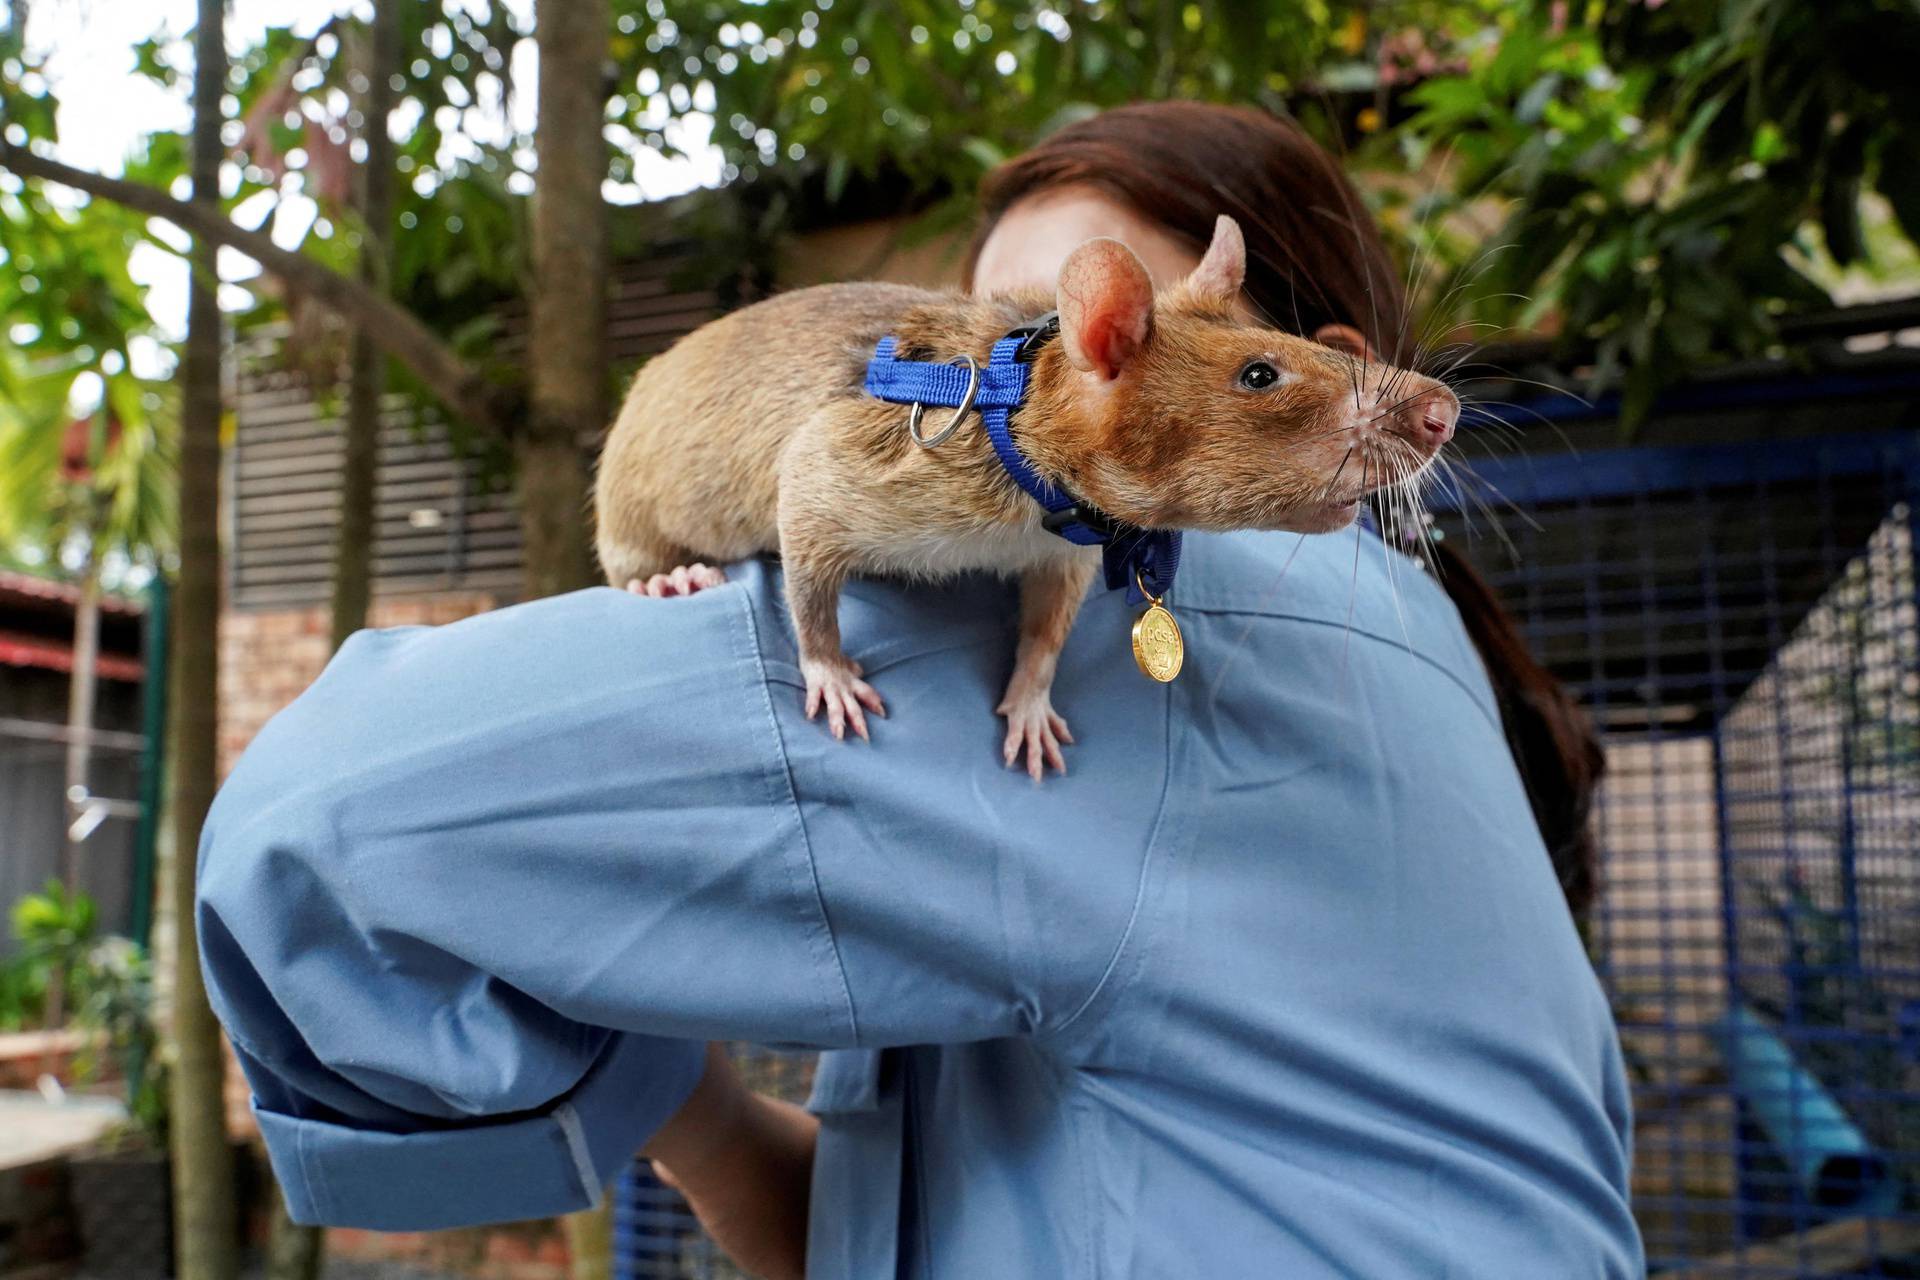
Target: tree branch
x=468, y=393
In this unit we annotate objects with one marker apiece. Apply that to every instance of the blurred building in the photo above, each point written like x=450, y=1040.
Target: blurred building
x=36, y=665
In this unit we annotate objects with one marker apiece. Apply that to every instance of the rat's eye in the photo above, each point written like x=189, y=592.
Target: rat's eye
x=1258, y=376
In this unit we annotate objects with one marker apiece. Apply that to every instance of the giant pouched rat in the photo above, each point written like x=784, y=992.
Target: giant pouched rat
x=754, y=434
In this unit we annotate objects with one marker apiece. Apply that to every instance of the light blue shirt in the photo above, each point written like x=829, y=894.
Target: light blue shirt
x=1277, y=982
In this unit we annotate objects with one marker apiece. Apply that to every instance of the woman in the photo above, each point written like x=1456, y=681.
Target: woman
x=1277, y=983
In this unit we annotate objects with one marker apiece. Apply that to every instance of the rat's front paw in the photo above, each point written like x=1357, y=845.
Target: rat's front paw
x=1033, y=724
x=838, y=687
x=683, y=581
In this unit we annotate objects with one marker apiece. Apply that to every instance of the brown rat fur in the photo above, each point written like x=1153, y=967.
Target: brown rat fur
x=753, y=434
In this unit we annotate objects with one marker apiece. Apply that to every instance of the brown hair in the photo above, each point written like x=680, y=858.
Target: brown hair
x=1314, y=258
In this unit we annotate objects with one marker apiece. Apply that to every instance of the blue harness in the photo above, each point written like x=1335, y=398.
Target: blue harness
x=1126, y=550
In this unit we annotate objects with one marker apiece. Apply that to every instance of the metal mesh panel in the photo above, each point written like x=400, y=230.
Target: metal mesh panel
x=1740, y=620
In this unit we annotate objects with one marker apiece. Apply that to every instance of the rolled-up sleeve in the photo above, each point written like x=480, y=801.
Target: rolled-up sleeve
x=469, y=907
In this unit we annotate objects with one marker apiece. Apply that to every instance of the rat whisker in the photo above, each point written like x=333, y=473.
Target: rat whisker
x=1353, y=588
x=1390, y=530
x=1487, y=431
x=1437, y=314
x=1380, y=413
x=1359, y=253
x=1485, y=422
x=1327, y=490
x=1457, y=478
x=1500, y=375
x=1460, y=469
x=1410, y=290
x=1467, y=275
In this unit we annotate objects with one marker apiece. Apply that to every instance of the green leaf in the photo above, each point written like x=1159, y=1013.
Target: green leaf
x=838, y=169
x=1899, y=177
x=1637, y=397
x=984, y=152
x=1840, y=195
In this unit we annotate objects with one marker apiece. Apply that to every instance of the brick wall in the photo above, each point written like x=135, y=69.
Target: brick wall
x=509, y=1251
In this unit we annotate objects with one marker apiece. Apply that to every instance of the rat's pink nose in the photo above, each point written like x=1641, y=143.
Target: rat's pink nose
x=1438, y=417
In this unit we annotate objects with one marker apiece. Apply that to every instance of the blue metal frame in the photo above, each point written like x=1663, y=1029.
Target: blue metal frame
x=1534, y=480
x=1700, y=397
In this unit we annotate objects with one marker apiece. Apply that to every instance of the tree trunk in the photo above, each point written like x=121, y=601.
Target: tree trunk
x=206, y=1236
x=353, y=549
x=294, y=1252
x=590, y=1241
x=17, y=21
x=567, y=357
x=83, y=683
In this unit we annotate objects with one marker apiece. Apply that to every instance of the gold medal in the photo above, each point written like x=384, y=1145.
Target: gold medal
x=1157, y=646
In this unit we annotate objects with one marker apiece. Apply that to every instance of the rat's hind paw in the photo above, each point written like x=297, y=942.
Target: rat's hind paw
x=1033, y=724
x=838, y=687
x=683, y=581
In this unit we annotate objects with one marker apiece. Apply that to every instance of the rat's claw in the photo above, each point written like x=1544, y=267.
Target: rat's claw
x=1054, y=755
x=1034, y=728
x=1036, y=763
x=684, y=580
x=839, y=688
x=702, y=576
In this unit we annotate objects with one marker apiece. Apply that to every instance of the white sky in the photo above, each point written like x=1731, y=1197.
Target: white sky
x=105, y=107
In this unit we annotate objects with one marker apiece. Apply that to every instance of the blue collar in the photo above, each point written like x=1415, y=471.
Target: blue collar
x=1152, y=554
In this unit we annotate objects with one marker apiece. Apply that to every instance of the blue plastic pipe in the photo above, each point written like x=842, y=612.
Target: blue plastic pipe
x=1835, y=1166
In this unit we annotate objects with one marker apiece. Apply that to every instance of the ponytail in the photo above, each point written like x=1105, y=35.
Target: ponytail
x=1552, y=738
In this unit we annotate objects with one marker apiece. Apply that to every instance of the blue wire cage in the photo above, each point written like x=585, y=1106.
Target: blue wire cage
x=1740, y=620
x=1743, y=622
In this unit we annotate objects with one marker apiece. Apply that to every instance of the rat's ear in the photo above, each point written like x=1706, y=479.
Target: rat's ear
x=1224, y=268
x=1106, y=306
x=1344, y=337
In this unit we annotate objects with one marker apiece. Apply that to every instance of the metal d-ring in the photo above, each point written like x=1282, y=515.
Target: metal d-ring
x=1141, y=586
x=953, y=423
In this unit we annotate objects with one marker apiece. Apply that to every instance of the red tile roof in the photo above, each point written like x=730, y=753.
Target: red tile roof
x=18, y=650
x=27, y=586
